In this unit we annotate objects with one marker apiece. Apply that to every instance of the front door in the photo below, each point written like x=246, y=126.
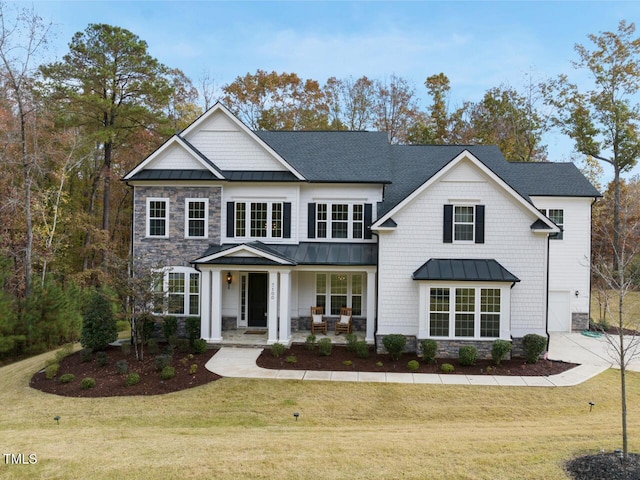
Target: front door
x=257, y=307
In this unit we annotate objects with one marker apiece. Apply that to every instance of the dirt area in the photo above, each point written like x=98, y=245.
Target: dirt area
x=604, y=466
x=340, y=358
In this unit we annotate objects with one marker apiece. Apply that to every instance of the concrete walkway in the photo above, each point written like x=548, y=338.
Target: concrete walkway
x=590, y=353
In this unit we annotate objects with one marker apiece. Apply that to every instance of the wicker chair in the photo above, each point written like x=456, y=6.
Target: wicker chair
x=343, y=324
x=318, y=322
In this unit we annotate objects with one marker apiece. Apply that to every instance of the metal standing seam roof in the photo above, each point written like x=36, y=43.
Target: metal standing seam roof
x=466, y=270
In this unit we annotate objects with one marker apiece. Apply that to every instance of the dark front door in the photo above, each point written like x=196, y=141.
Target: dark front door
x=257, y=300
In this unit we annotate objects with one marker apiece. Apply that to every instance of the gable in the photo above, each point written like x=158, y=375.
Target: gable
x=175, y=157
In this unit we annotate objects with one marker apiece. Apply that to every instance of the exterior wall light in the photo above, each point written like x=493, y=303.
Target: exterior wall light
x=229, y=280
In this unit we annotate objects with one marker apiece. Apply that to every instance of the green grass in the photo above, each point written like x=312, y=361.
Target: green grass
x=237, y=428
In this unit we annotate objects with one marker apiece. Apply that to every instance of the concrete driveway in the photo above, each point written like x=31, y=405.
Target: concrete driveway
x=596, y=351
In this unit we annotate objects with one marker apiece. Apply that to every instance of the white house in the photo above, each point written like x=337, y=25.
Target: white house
x=446, y=242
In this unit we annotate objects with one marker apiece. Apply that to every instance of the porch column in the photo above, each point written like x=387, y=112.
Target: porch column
x=272, y=317
x=371, y=306
x=285, y=307
x=216, y=305
x=205, y=302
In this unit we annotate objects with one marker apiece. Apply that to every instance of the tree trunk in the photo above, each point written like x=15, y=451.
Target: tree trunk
x=616, y=217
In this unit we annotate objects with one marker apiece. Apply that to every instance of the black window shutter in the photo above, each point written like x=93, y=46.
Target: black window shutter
x=368, y=213
x=479, y=223
x=447, y=233
x=311, y=221
x=286, y=220
x=230, y=219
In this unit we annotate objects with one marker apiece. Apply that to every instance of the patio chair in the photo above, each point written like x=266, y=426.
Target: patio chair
x=343, y=324
x=318, y=322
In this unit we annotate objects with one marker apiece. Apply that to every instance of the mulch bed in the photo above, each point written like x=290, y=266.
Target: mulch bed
x=604, y=466
x=110, y=383
x=311, y=360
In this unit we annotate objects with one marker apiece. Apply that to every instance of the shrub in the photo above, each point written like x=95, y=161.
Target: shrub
x=122, y=366
x=347, y=363
x=162, y=361
x=183, y=345
x=394, y=344
x=169, y=327
x=310, y=342
x=125, y=348
x=192, y=326
x=86, y=355
x=200, y=346
x=413, y=365
x=168, y=373
x=277, y=350
x=123, y=325
x=292, y=359
x=429, y=349
x=65, y=351
x=468, y=355
x=102, y=359
x=148, y=323
x=351, y=339
x=533, y=346
x=153, y=346
x=98, y=324
x=193, y=369
x=51, y=371
x=499, y=350
x=324, y=347
x=362, y=349
x=379, y=364
x=447, y=368
x=132, y=379
x=51, y=361
x=67, y=378
x=87, y=383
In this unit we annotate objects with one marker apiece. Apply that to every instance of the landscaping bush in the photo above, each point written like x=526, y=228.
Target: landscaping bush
x=102, y=359
x=162, y=361
x=533, y=345
x=351, y=339
x=200, y=346
x=168, y=373
x=148, y=323
x=324, y=347
x=125, y=348
x=310, y=342
x=86, y=355
x=347, y=363
x=192, y=326
x=67, y=378
x=65, y=351
x=193, y=369
x=277, y=350
x=447, y=368
x=183, y=345
x=292, y=359
x=468, y=355
x=169, y=327
x=429, y=349
x=51, y=371
x=362, y=349
x=499, y=350
x=122, y=366
x=394, y=345
x=413, y=365
x=153, y=347
x=87, y=383
x=98, y=323
x=132, y=379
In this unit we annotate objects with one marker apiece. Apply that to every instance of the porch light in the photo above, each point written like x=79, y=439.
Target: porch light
x=229, y=280
x=577, y=294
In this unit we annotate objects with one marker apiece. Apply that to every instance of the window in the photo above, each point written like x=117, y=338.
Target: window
x=476, y=312
x=260, y=219
x=158, y=217
x=358, y=221
x=556, y=215
x=342, y=290
x=181, y=289
x=197, y=214
x=463, y=223
x=339, y=220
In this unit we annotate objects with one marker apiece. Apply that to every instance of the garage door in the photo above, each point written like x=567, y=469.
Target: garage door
x=559, y=311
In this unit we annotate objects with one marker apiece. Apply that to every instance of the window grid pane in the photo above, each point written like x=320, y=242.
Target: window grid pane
x=157, y=218
x=465, y=312
x=241, y=216
x=276, y=220
x=340, y=221
x=321, y=223
x=243, y=297
x=358, y=221
x=258, y=219
x=463, y=223
x=176, y=293
x=439, y=312
x=557, y=217
x=196, y=219
x=321, y=290
x=490, y=312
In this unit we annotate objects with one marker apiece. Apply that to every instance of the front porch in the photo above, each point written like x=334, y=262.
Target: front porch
x=251, y=337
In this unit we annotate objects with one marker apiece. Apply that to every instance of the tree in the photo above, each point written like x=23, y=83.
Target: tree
x=438, y=87
x=395, y=108
x=350, y=102
x=98, y=323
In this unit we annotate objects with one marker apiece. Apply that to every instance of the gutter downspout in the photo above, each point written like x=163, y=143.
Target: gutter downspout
x=546, y=323
x=375, y=319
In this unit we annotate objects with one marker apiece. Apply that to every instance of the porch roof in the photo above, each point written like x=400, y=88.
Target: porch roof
x=478, y=270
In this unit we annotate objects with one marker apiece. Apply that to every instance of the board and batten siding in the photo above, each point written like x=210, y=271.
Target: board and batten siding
x=419, y=237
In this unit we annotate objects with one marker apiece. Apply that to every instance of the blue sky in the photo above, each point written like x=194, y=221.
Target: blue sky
x=478, y=45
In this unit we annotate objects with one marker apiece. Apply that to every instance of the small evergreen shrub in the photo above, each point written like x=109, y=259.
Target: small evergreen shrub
x=277, y=350
x=132, y=379
x=169, y=327
x=122, y=366
x=152, y=346
x=98, y=324
x=169, y=348
x=292, y=359
x=447, y=368
x=192, y=326
x=51, y=371
x=394, y=344
x=65, y=351
x=324, y=347
x=125, y=347
x=310, y=342
x=361, y=349
x=102, y=359
x=86, y=355
x=168, y=373
x=87, y=383
x=183, y=345
x=148, y=326
x=199, y=346
x=162, y=361
x=379, y=364
x=533, y=345
x=347, y=363
x=499, y=350
x=67, y=378
x=351, y=339
x=193, y=369
x=51, y=361
x=413, y=365
x=429, y=349
x=468, y=355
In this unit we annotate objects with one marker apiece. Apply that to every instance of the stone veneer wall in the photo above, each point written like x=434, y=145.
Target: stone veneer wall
x=579, y=321
x=175, y=250
x=358, y=324
x=449, y=348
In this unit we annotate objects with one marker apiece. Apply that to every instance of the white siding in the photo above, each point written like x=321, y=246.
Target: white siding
x=175, y=158
x=418, y=237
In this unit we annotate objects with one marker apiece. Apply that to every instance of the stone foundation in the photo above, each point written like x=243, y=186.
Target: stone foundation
x=358, y=324
x=579, y=321
x=449, y=348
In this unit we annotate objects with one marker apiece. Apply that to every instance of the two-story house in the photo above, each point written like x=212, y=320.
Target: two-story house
x=251, y=229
